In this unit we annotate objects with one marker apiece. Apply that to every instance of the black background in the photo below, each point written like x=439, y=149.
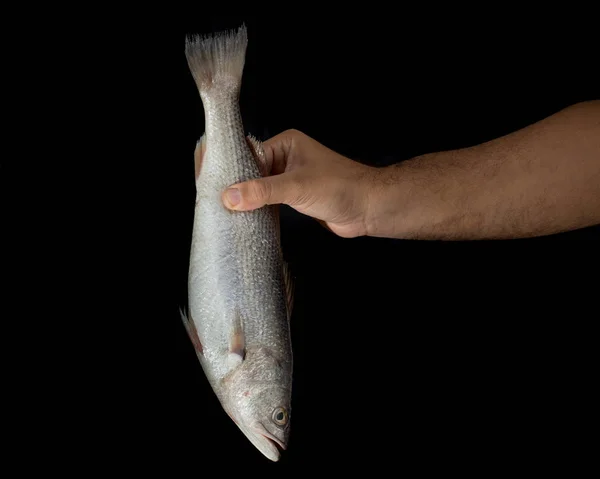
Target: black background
x=446, y=356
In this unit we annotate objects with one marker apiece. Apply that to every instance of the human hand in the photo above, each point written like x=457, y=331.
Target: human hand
x=312, y=179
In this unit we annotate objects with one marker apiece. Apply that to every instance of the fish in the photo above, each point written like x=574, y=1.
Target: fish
x=240, y=289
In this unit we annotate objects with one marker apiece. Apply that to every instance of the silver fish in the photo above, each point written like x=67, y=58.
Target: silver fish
x=239, y=291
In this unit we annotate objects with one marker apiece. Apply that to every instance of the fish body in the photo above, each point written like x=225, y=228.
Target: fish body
x=239, y=293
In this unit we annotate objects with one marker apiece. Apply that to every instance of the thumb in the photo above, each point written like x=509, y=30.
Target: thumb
x=253, y=194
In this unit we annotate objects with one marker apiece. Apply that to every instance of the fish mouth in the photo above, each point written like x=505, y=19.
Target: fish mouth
x=265, y=442
x=273, y=440
x=274, y=444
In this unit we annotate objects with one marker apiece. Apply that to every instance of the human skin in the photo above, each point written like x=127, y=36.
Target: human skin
x=539, y=180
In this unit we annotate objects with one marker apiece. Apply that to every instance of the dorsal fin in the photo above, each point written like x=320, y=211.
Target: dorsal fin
x=259, y=154
x=289, y=288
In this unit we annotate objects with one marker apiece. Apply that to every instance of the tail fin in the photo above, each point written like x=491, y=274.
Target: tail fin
x=217, y=58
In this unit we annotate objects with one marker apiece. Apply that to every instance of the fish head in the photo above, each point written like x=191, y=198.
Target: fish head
x=264, y=419
x=259, y=402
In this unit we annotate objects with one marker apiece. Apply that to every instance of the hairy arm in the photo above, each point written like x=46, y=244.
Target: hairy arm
x=540, y=180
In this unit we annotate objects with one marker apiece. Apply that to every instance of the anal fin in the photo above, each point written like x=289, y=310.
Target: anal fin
x=199, y=154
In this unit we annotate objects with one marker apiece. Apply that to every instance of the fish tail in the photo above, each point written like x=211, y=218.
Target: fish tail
x=217, y=59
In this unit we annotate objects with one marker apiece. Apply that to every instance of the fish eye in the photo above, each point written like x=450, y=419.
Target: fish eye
x=280, y=416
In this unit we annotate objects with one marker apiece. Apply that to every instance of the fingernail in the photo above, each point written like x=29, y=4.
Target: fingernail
x=233, y=196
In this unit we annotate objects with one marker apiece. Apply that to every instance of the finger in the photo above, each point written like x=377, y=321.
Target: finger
x=277, y=150
x=324, y=224
x=249, y=195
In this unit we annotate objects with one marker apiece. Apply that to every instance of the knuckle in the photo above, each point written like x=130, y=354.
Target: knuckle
x=297, y=191
x=293, y=134
x=260, y=190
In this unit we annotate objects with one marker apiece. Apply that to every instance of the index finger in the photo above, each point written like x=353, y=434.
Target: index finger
x=277, y=150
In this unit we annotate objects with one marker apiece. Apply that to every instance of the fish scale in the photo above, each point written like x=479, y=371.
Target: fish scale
x=239, y=292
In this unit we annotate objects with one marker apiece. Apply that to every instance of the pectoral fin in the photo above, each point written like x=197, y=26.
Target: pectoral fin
x=236, y=342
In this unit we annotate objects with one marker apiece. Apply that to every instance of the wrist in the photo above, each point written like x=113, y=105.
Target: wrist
x=384, y=203
x=408, y=200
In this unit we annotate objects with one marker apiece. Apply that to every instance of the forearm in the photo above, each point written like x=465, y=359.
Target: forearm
x=540, y=180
